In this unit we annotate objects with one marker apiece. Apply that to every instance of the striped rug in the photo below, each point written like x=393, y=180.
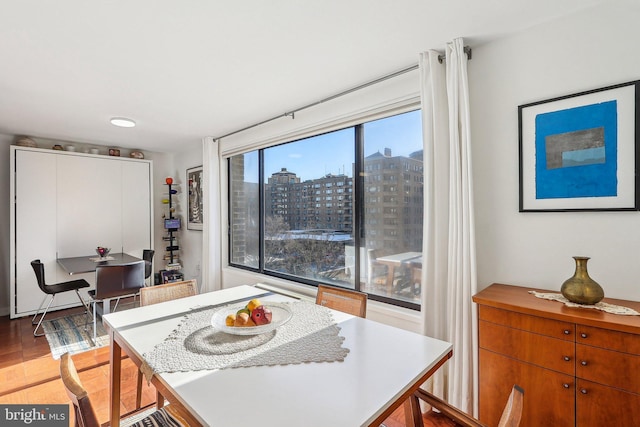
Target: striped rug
x=68, y=334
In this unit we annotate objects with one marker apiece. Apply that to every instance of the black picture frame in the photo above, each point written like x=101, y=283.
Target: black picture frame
x=195, y=212
x=579, y=152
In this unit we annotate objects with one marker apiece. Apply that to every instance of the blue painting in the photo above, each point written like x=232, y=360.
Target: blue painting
x=577, y=152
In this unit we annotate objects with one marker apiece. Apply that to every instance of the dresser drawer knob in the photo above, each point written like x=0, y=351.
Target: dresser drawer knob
x=566, y=358
x=583, y=335
x=565, y=385
x=583, y=390
x=566, y=332
x=583, y=363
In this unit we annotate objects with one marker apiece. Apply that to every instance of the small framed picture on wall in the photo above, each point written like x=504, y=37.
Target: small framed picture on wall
x=195, y=207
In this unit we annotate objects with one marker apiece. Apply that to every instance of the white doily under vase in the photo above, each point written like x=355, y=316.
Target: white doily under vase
x=603, y=306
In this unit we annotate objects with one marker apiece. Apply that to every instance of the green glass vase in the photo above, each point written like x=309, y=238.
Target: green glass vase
x=581, y=288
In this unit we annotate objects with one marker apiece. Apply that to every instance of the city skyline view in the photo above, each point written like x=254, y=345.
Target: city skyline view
x=401, y=133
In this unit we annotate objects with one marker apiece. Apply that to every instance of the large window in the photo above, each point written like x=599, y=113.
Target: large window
x=299, y=210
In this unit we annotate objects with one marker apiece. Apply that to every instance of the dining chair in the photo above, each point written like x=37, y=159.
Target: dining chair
x=115, y=282
x=156, y=294
x=416, y=280
x=85, y=414
x=345, y=300
x=377, y=272
x=511, y=415
x=52, y=290
x=147, y=256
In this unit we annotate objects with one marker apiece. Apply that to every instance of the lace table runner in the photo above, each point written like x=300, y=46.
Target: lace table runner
x=310, y=336
x=609, y=308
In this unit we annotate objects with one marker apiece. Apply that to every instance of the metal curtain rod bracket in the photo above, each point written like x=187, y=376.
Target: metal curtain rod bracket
x=466, y=49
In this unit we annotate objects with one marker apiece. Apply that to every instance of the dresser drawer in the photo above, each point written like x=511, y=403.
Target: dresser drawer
x=613, y=340
x=541, y=350
x=598, y=405
x=538, y=325
x=607, y=367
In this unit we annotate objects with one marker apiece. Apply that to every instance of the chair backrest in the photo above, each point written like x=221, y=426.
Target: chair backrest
x=511, y=414
x=118, y=280
x=345, y=300
x=38, y=268
x=85, y=415
x=147, y=256
x=169, y=291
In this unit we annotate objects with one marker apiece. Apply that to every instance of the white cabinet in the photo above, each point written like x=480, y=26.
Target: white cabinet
x=67, y=204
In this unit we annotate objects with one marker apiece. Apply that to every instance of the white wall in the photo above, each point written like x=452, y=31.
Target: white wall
x=586, y=51
x=592, y=49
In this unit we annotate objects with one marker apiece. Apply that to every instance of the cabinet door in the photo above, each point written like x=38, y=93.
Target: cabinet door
x=598, y=405
x=549, y=397
x=89, y=205
x=136, y=207
x=608, y=367
x=35, y=225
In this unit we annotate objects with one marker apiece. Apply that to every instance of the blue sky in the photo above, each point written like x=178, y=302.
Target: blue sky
x=402, y=133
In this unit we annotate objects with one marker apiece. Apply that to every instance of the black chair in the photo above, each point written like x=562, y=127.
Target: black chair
x=52, y=290
x=147, y=256
x=115, y=282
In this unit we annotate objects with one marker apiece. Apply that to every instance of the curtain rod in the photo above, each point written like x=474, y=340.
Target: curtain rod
x=292, y=113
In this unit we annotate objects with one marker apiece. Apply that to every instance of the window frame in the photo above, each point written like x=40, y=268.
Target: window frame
x=357, y=210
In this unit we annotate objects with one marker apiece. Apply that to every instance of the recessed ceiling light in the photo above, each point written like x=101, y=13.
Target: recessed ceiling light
x=123, y=122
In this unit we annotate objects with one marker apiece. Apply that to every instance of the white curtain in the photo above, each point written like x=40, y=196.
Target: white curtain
x=449, y=275
x=212, y=232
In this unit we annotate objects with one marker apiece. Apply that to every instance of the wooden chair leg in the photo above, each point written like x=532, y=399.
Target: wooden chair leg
x=159, y=400
x=412, y=412
x=139, y=390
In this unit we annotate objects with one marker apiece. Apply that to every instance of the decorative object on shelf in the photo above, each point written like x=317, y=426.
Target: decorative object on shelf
x=577, y=152
x=114, y=152
x=169, y=181
x=581, y=288
x=71, y=148
x=57, y=147
x=136, y=154
x=195, y=208
x=94, y=151
x=25, y=141
x=103, y=252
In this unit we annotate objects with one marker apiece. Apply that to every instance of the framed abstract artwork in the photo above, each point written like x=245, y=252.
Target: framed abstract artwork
x=194, y=185
x=579, y=152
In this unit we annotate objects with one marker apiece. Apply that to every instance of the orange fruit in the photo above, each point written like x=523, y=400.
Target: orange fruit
x=230, y=320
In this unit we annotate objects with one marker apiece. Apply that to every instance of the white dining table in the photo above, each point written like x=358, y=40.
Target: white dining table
x=384, y=366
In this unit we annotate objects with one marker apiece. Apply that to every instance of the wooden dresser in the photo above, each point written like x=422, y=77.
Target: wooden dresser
x=577, y=366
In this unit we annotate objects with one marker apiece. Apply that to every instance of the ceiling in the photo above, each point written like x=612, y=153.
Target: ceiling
x=188, y=69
